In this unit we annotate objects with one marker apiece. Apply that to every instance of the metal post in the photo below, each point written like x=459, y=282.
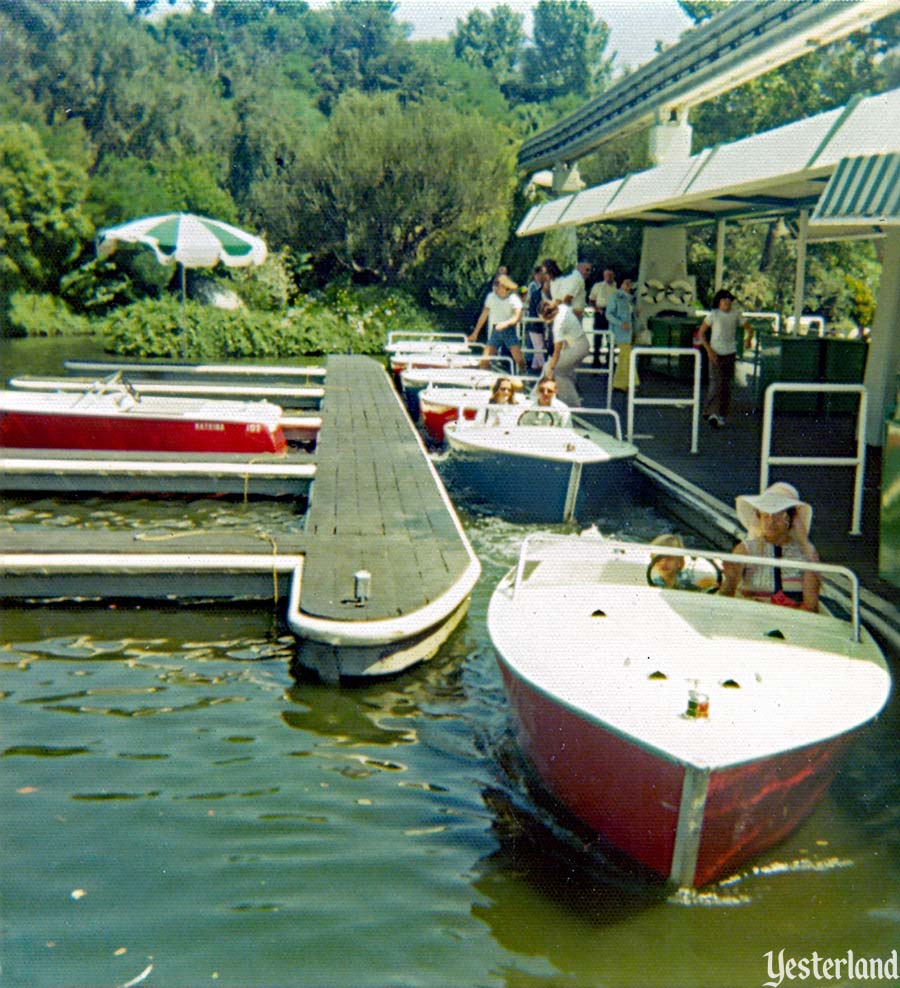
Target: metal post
x=720, y=253
x=800, y=273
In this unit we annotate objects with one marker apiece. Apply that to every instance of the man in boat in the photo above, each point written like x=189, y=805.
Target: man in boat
x=777, y=524
x=503, y=308
x=545, y=396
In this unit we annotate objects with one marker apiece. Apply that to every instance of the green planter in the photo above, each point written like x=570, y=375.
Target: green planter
x=844, y=363
x=673, y=331
x=794, y=359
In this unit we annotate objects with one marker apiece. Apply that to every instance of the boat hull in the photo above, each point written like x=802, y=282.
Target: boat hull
x=519, y=487
x=632, y=796
x=36, y=430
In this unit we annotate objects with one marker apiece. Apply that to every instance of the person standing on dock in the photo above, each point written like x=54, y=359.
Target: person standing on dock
x=570, y=347
x=718, y=337
x=535, y=326
x=601, y=293
x=620, y=316
x=503, y=313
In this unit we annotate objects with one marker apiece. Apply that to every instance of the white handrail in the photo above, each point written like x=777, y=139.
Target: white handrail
x=693, y=403
x=859, y=461
x=609, y=547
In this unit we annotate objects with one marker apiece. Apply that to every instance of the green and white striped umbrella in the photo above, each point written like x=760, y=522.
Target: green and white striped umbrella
x=188, y=240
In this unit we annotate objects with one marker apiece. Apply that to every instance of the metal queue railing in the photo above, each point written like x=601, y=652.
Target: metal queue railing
x=858, y=462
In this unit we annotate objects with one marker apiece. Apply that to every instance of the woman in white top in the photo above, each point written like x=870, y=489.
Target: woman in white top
x=777, y=524
x=570, y=347
x=718, y=337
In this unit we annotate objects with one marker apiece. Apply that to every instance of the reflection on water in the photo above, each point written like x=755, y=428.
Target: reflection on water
x=175, y=798
x=141, y=513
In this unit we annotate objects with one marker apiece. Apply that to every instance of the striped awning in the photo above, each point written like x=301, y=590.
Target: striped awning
x=863, y=193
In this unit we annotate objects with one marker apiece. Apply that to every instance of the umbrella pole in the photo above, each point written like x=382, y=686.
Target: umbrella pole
x=183, y=311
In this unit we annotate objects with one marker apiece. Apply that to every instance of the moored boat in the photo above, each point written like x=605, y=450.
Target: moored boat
x=116, y=417
x=691, y=731
x=459, y=373
x=527, y=464
x=440, y=405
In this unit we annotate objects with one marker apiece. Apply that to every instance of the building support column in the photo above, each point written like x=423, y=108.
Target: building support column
x=883, y=364
x=720, y=254
x=800, y=272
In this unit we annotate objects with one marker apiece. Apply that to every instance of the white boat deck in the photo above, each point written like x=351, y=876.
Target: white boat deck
x=604, y=643
x=562, y=444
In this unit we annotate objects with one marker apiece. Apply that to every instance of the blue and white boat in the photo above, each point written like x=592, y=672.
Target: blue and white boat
x=526, y=465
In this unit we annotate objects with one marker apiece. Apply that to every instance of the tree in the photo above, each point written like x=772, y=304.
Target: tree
x=567, y=56
x=387, y=185
x=42, y=223
x=495, y=40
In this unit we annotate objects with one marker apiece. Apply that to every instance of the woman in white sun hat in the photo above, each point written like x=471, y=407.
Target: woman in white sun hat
x=777, y=523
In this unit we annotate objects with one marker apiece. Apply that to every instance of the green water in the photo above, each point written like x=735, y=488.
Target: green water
x=174, y=799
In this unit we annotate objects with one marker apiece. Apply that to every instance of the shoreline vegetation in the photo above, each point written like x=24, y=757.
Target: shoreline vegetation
x=381, y=172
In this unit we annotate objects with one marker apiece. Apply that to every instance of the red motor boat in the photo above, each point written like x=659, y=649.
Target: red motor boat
x=691, y=731
x=117, y=418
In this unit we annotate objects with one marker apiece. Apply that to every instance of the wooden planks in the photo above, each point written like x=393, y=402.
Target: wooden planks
x=376, y=504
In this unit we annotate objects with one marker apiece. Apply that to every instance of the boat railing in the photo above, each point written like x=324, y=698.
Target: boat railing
x=590, y=545
x=609, y=412
x=396, y=338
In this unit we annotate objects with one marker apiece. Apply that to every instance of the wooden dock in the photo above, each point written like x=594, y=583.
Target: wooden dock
x=377, y=506
x=376, y=580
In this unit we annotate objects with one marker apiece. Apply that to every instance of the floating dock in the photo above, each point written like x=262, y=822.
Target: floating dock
x=374, y=581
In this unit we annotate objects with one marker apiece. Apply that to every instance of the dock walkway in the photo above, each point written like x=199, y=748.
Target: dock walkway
x=376, y=504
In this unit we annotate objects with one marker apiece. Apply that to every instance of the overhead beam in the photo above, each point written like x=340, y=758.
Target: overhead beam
x=744, y=41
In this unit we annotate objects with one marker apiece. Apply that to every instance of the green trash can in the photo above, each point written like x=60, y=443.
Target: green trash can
x=844, y=363
x=795, y=359
x=673, y=331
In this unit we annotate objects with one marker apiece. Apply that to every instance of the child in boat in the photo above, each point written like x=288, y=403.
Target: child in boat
x=668, y=571
x=674, y=573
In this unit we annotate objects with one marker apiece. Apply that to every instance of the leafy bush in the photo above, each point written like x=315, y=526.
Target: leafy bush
x=31, y=314
x=345, y=321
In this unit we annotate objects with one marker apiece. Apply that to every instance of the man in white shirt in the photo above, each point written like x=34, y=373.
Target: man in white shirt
x=600, y=295
x=573, y=285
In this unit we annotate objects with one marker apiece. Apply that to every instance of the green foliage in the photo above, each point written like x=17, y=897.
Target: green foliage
x=702, y=10
x=126, y=188
x=42, y=225
x=389, y=185
x=31, y=314
x=343, y=321
x=567, y=56
x=272, y=286
x=495, y=40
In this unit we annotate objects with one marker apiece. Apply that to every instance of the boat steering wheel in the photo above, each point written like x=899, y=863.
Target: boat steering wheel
x=540, y=416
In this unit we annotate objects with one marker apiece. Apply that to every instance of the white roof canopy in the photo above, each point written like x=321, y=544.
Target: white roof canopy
x=776, y=173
